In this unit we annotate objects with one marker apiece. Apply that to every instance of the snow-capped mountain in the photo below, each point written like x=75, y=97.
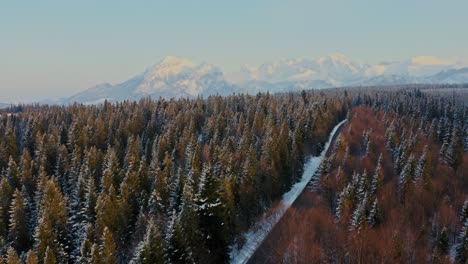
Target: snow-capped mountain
x=451, y=76
x=332, y=69
x=178, y=77
x=172, y=77
x=339, y=70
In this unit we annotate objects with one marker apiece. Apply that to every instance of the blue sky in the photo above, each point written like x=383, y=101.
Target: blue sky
x=57, y=48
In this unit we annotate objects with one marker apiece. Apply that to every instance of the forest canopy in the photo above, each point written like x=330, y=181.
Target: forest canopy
x=152, y=181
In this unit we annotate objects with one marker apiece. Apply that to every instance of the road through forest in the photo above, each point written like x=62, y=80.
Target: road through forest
x=256, y=247
x=283, y=231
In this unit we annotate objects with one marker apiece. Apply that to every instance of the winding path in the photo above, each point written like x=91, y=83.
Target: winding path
x=257, y=234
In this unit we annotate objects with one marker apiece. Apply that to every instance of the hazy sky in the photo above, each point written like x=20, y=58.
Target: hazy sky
x=57, y=48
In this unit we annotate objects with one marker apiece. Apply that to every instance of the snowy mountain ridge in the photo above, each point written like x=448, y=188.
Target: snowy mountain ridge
x=175, y=77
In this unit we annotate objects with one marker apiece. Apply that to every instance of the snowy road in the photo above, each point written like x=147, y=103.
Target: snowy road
x=255, y=236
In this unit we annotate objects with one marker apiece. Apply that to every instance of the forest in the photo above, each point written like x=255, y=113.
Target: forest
x=154, y=181
x=393, y=188
x=179, y=181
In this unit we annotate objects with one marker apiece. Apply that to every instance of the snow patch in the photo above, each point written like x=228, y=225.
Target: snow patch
x=255, y=236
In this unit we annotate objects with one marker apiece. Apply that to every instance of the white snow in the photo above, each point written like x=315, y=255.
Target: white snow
x=255, y=236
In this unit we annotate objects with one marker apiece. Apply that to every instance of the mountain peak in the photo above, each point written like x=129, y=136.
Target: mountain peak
x=167, y=67
x=173, y=60
x=338, y=56
x=335, y=58
x=428, y=60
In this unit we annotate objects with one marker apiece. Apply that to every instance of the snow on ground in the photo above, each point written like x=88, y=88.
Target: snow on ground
x=255, y=236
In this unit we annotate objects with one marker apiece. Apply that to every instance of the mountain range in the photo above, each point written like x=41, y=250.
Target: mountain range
x=179, y=77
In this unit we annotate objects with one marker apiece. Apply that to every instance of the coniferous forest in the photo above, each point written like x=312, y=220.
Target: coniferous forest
x=179, y=181
x=154, y=181
x=393, y=188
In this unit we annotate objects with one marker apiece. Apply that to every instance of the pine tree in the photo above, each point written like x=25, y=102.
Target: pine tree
x=175, y=248
x=61, y=171
x=27, y=179
x=76, y=208
x=89, y=210
x=209, y=210
x=95, y=256
x=443, y=243
x=175, y=190
x=108, y=213
x=46, y=237
x=13, y=174
x=5, y=199
x=52, y=230
x=130, y=200
x=362, y=186
x=375, y=215
x=108, y=248
x=111, y=175
x=345, y=157
x=359, y=215
x=405, y=181
x=188, y=220
x=145, y=184
x=19, y=231
x=378, y=178
x=454, y=151
x=159, y=200
x=11, y=143
x=151, y=249
x=31, y=258
x=38, y=196
x=422, y=172
x=340, y=204
x=464, y=212
x=12, y=257
x=462, y=244
x=442, y=152
x=85, y=251
x=132, y=154
x=49, y=257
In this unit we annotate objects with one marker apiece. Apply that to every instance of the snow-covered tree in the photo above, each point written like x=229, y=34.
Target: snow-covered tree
x=462, y=244
x=19, y=231
x=12, y=257
x=108, y=248
x=358, y=218
x=151, y=249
